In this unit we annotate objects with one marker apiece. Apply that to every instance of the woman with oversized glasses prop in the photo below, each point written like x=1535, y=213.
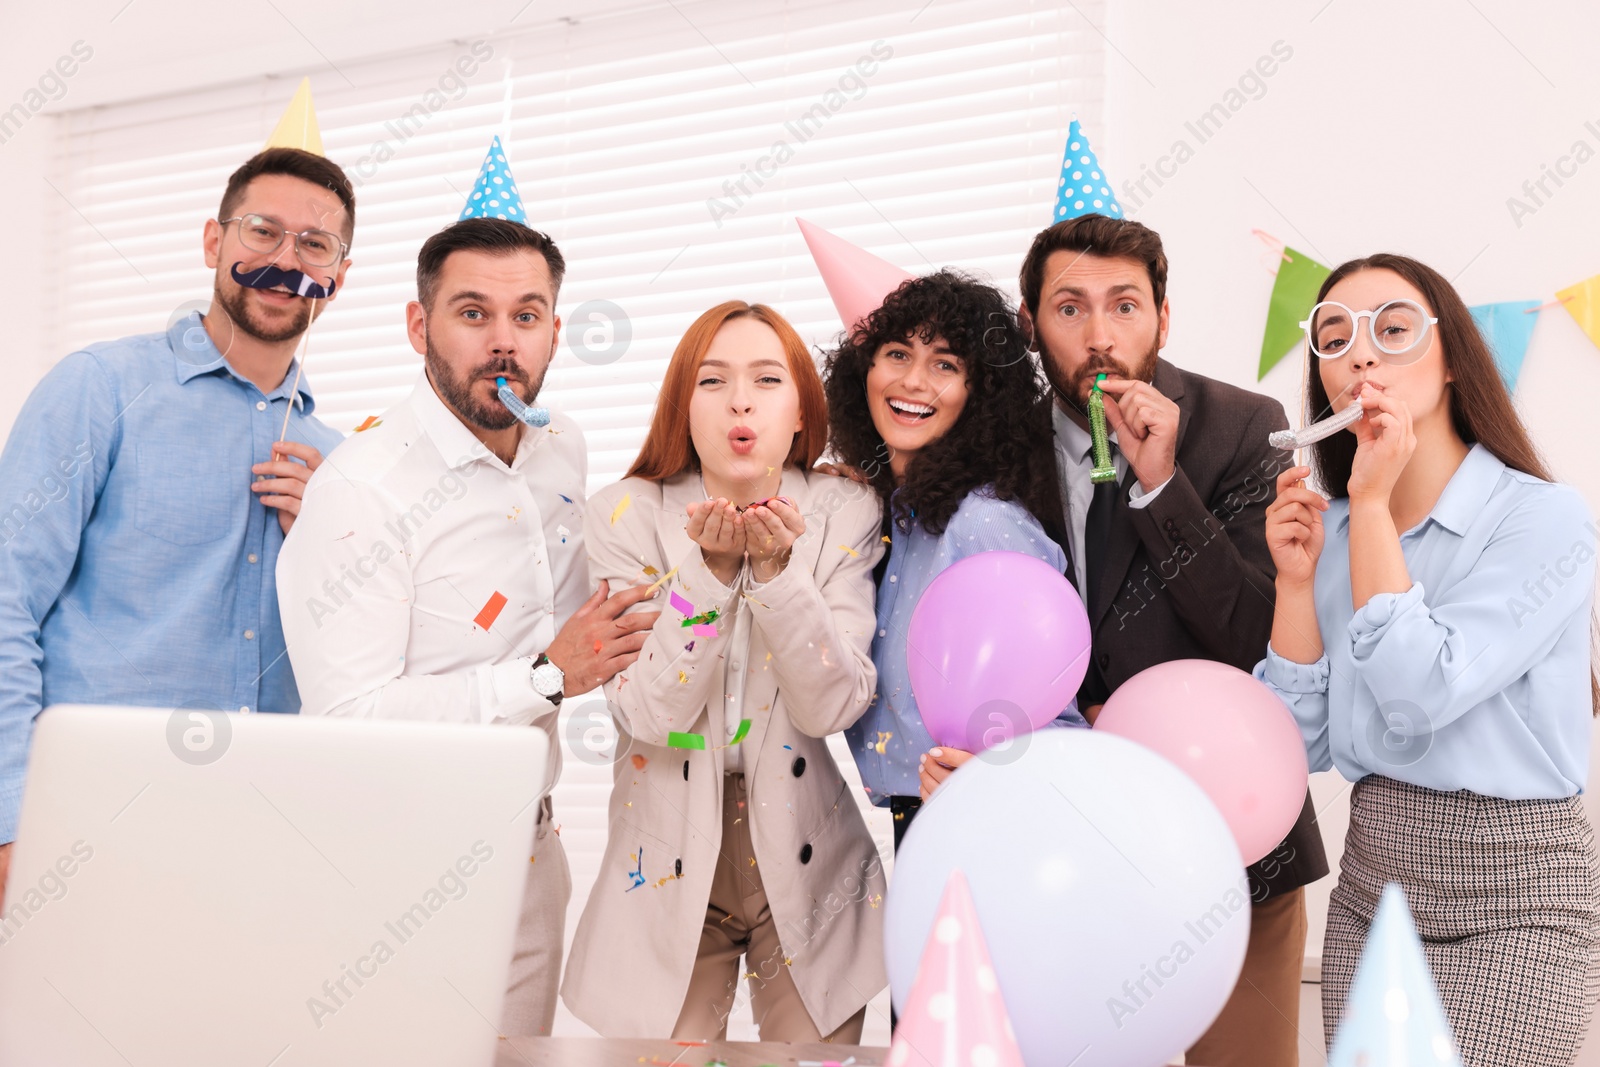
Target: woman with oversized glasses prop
x=1431, y=636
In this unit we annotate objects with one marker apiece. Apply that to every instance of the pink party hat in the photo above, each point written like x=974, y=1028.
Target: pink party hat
x=954, y=1015
x=856, y=279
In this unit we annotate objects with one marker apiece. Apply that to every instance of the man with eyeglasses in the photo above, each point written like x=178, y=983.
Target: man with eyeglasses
x=148, y=483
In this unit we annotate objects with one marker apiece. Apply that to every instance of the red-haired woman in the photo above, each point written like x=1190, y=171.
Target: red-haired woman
x=732, y=832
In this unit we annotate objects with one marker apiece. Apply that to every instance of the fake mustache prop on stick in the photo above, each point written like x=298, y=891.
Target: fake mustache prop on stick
x=270, y=277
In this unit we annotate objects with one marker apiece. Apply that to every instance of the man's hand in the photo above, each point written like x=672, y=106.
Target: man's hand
x=5, y=869
x=718, y=528
x=936, y=765
x=283, y=481
x=600, y=640
x=1146, y=425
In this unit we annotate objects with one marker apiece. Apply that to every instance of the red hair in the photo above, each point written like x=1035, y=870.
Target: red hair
x=668, y=450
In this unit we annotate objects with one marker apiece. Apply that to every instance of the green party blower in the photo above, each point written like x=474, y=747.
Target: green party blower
x=1104, y=469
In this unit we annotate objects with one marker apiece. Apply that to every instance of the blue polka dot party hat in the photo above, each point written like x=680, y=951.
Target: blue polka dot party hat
x=1084, y=188
x=495, y=195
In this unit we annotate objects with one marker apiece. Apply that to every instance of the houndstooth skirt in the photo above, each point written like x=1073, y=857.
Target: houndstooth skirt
x=1506, y=897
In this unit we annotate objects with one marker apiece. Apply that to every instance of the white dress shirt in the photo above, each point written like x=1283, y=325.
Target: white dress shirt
x=1075, y=459
x=423, y=573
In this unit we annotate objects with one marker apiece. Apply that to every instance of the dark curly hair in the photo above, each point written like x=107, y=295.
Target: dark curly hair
x=1002, y=437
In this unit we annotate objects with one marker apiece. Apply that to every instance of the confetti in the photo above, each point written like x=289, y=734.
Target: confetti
x=622, y=505
x=639, y=762
x=704, y=618
x=565, y=497
x=659, y=582
x=597, y=646
x=678, y=740
x=847, y=548
x=491, y=611
x=562, y=530
x=706, y=629
x=636, y=876
x=650, y=572
x=883, y=740
x=368, y=423
x=680, y=605
x=683, y=679
x=689, y=647
x=885, y=539
x=740, y=734
x=346, y=537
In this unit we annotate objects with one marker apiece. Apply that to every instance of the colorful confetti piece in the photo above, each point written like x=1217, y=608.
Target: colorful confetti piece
x=689, y=647
x=883, y=740
x=847, y=548
x=708, y=616
x=491, y=611
x=650, y=572
x=678, y=740
x=639, y=762
x=368, y=423
x=704, y=629
x=622, y=505
x=659, y=582
x=681, y=605
x=565, y=497
x=683, y=679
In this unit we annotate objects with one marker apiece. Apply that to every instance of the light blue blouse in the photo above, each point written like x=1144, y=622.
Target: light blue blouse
x=889, y=739
x=1477, y=677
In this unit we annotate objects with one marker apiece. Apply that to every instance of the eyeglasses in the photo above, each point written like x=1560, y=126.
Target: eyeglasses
x=317, y=248
x=1398, y=330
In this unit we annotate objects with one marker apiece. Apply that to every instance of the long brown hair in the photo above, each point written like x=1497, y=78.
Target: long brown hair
x=1480, y=405
x=668, y=450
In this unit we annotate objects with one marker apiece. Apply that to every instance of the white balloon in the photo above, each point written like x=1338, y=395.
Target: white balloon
x=1112, y=896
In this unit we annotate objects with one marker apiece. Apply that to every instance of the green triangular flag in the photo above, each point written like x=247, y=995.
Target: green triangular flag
x=1293, y=296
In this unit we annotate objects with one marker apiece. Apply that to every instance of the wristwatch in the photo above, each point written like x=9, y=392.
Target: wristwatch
x=547, y=679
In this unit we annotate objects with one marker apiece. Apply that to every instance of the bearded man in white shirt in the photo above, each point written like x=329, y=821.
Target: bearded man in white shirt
x=438, y=570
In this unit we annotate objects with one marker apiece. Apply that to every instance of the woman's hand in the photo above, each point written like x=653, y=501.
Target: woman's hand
x=770, y=531
x=718, y=528
x=1385, y=440
x=1294, y=528
x=936, y=765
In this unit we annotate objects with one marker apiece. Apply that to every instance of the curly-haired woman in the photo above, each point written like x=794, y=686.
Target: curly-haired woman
x=936, y=401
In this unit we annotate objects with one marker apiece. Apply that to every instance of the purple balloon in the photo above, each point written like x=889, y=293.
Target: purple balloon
x=997, y=646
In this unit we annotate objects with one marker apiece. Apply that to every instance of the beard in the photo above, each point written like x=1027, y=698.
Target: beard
x=1075, y=390
x=457, y=389
x=235, y=300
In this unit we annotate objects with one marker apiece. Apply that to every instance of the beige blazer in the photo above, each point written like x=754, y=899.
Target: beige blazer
x=810, y=674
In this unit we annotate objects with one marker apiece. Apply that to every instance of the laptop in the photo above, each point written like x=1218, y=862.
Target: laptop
x=193, y=888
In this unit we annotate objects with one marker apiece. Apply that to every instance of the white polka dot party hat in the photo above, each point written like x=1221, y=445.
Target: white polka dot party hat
x=954, y=1015
x=494, y=195
x=1084, y=188
x=1392, y=1014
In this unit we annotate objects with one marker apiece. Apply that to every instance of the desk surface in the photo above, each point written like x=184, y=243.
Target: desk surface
x=653, y=1052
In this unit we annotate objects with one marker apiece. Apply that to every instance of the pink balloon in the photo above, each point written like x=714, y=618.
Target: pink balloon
x=997, y=647
x=1229, y=733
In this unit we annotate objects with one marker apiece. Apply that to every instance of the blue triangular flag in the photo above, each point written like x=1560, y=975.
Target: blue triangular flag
x=1083, y=189
x=1392, y=1016
x=1507, y=327
x=494, y=195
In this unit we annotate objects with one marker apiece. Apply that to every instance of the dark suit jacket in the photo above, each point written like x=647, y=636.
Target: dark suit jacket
x=1191, y=574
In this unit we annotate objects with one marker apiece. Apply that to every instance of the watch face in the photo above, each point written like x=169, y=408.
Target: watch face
x=547, y=679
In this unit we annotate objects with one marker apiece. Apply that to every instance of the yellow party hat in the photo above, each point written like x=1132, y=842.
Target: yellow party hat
x=298, y=127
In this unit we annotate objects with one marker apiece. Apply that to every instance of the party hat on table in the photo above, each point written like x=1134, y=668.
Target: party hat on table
x=857, y=280
x=494, y=195
x=1083, y=189
x=298, y=126
x=1392, y=1015
x=954, y=1013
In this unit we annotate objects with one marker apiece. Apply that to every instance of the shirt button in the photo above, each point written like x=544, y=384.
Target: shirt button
x=249, y=635
x=251, y=557
x=883, y=633
x=894, y=577
x=244, y=711
x=261, y=405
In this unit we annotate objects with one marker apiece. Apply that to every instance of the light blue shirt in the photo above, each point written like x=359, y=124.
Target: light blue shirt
x=916, y=557
x=136, y=566
x=1477, y=677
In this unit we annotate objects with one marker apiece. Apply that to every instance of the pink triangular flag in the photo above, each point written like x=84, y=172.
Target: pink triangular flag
x=857, y=280
x=954, y=1014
